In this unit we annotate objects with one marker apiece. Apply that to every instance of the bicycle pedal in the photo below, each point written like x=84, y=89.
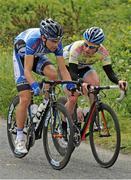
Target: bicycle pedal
x=123, y=147
x=87, y=134
x=104, y=135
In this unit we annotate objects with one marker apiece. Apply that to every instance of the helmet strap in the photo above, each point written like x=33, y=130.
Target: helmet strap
x=44, y=41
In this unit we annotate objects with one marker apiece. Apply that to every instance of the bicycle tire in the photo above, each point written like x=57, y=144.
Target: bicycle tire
x=11, y=127
x=49, y=128
x=105, y=131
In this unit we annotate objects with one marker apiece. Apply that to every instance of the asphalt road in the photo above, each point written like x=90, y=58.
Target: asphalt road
x=35, y=166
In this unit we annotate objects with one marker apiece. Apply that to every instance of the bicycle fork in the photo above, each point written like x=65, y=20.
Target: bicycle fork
x=88, y=121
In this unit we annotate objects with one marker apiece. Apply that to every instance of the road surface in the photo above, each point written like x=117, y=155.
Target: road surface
x=35, y=166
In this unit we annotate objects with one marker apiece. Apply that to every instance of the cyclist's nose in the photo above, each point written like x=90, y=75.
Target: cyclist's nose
x=87, y=49
x=55, y=45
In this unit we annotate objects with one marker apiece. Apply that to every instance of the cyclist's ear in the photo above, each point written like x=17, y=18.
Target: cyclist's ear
x=43, y=38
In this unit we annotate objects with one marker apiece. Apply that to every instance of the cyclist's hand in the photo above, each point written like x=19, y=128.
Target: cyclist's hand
x=36, y=89
x=123, y=85
x=71, y=86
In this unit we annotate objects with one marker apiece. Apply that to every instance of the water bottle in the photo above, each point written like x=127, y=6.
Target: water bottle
x=40, y=110
x=34, y=108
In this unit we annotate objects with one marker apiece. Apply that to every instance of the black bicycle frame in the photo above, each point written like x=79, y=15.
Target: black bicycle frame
x=51, y=103
x=38, y=131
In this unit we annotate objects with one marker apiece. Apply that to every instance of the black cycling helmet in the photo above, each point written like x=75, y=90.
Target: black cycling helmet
x=51, y=29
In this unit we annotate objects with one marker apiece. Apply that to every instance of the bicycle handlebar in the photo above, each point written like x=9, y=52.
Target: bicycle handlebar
x=122, y=92
x=89, y=87
x=121, y=97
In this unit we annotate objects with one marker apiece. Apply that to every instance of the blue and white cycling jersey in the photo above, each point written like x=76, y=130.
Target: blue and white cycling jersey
x=34, y=44
x=29, y=42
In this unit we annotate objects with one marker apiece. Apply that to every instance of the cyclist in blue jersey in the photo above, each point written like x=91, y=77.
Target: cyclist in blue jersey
x=30, y=49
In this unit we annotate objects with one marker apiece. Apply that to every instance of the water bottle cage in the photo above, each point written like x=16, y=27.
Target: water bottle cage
x=38, y=114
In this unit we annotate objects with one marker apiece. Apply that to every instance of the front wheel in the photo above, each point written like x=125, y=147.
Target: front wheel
x=105, y=136
x=54, y=136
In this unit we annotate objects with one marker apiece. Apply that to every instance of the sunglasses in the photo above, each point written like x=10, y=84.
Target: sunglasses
x=91, y=47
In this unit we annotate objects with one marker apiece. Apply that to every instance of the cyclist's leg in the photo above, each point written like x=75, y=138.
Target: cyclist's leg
x=71, y=100
x=21, y=110
x=80, y=114
x=24, y=89
x=91, y=77
x=25, y=96
x=50, y=72
x=71, y=103
x=21, y=116
x=46, y=68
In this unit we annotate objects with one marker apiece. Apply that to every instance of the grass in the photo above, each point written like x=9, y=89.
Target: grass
x=7, y=87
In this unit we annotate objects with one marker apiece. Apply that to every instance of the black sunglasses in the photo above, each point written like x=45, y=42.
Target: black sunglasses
x=91, y=47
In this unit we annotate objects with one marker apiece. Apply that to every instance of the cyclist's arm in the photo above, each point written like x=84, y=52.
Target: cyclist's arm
x=62, y=67
x=29, y=58
x=106, y=59
x=75, y=51
x=61, y=63
x=110, y=73
x=28, y=64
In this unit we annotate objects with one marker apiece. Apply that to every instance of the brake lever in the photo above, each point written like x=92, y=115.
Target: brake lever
x=123, y=93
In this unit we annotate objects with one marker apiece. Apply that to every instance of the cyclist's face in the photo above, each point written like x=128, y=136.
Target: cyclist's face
x=90, y=48
x=51, y=44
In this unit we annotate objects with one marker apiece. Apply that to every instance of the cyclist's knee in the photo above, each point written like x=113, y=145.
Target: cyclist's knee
x=96, y=82
x=53, y=75
x=50, y=72
x=25, y=98
x=92, y=79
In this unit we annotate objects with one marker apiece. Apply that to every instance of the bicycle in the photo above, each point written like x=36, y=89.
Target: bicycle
x=50, y=124
x=101, y=125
